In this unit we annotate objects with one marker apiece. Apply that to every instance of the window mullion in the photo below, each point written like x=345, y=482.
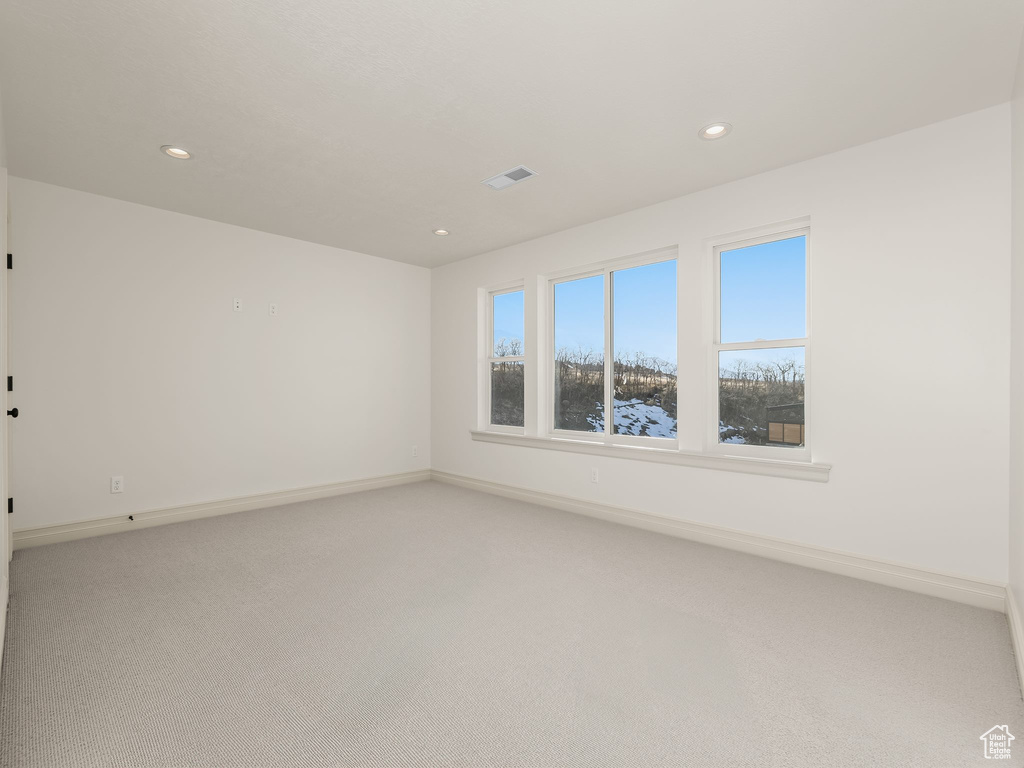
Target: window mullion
x=772, y=344
x=609, y=365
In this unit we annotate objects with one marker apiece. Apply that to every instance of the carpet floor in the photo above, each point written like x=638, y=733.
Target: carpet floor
x=428, y=625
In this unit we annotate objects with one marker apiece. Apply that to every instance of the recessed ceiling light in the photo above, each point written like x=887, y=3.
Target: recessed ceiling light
x=714, y=131
x=440, y=232
x=176, y=152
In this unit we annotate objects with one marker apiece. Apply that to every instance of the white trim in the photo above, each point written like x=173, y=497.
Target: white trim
x=653, y=256
x=1013, y=620
x=961, y=589
x=764, y=232
x=505, y=429
x=797, y=470
x=745, y=346
x=509, y=286
x=53, y=534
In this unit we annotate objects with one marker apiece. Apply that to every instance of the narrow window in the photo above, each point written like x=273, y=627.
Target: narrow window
x=579, y=354
x=507, y=359
x=644, y=343
x=762, y=341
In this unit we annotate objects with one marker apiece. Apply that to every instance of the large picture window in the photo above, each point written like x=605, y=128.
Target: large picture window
x=507, y=360
x=761, y=341
x=615, y=350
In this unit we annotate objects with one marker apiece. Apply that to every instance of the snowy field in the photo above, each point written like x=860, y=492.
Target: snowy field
x=635, y=417
x=730, y=434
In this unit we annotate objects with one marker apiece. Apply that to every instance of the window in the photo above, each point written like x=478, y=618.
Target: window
x=614, y=337
x=761, y=341
x=613, y=344
x=506, y=361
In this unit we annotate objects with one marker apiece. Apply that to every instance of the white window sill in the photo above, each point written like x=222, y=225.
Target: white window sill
x=796, y=470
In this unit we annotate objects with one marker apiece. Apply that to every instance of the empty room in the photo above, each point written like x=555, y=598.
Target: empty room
x=471, y=384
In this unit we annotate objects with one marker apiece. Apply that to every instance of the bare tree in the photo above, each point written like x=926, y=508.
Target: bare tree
x=747, y=389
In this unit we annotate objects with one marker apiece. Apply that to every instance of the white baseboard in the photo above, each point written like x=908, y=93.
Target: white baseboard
x=53, y=534
x=1013, y=619
x=983, y=594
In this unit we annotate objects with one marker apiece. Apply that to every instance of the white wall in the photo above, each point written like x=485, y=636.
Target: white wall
x=128, y=359
x=3, y=137
x=910, y=318
x=6, y=542
x=1016, y=531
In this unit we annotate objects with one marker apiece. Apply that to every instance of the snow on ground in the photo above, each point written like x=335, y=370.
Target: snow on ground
x=736, y=435
x=635, y=417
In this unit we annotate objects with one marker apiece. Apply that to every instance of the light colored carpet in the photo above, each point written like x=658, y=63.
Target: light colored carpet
x=427, y=625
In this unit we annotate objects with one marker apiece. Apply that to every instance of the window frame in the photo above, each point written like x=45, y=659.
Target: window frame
x=488, y=358
x=605, y=269
x=717, y=245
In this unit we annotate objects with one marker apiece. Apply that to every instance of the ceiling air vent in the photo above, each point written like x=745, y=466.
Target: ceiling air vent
x=508, y=178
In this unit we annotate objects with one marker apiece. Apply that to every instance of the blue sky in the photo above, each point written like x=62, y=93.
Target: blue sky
x=508, y=316
x=763, y=297
x=579, y=314
x=645, y=311
x=763, y=291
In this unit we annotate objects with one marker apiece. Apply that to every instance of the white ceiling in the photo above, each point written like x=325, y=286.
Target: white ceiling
x=366, y=124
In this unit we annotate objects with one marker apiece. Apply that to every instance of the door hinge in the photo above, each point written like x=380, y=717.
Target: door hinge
x=10, y=261
x=10, y=506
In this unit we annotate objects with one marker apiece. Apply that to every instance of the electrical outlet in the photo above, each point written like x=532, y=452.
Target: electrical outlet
x=238, y=305
x=273, y=310
x=593, y=475
x=415, y=451
x=117, y=484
